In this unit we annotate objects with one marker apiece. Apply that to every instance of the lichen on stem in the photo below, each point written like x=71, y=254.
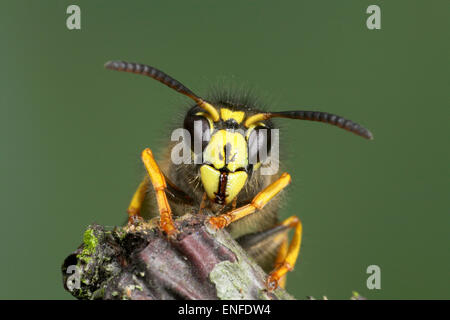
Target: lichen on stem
x=140, y=262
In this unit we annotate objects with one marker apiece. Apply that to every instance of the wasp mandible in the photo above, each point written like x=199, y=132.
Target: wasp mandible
x=240, y=198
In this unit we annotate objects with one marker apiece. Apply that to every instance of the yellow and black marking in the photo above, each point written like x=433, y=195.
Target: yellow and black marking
x=228, y=128
x=227, y=114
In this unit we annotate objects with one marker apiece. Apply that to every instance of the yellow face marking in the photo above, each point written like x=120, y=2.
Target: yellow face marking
x=236, y=181
x=226, y=149
x=210, y=180
x=227, y=114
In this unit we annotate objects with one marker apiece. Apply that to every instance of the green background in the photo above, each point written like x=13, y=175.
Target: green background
x=72, y=132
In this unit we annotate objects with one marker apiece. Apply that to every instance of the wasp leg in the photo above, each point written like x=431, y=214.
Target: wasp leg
x=268, y=248
x=135, y=206
x=258, y=202
x=282, y=252
x=264, y=246
x=134, y=209
x=159, y=184
x=287, y=263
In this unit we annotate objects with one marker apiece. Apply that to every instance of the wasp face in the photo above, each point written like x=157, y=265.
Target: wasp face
x=225, y=136
x=229, y=151
x=230, y=141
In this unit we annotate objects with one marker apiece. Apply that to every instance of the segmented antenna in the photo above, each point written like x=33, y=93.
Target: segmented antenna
x=314, y=116
x=164, y=78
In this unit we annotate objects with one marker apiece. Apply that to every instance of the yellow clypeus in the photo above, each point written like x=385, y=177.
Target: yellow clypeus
x=211, y=178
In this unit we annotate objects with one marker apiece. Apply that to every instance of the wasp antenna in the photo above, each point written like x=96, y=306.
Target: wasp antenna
x=164, y=78
x=314, y=116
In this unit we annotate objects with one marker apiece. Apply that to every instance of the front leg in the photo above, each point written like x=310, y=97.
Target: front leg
x=258, y=202
x=172, y=191
x=159, y=184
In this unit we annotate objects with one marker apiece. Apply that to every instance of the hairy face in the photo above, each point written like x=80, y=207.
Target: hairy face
x=230, y=152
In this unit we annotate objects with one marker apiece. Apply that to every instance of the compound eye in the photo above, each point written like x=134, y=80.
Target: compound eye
x=199, y=128
x=259, y=143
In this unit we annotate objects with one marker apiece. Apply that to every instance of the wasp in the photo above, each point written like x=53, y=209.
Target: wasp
x=226, y=134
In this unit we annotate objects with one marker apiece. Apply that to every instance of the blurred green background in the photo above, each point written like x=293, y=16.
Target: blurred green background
x=72, y=132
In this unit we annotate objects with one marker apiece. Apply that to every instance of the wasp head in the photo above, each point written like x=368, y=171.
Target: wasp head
x=226, y=151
